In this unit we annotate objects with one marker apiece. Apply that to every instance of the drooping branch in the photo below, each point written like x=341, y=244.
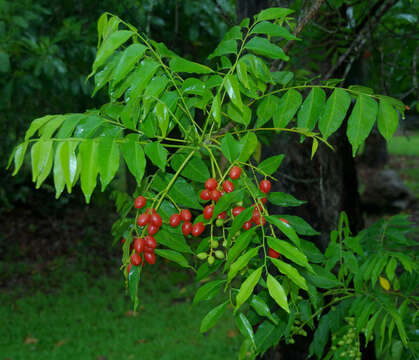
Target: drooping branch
x=361, y=38
x=300, y=26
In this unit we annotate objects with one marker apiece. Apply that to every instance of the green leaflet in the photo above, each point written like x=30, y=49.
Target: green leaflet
x=179, y=64
x=271, y=164
x=50, y=127
x=264, y=47
x=287, y=108
x=284, y=199
x=241, y=244
x=245, y=327
x=336, y=108
x=181, y=191
x=108, y=160
x=274, y=13
x=173, y=240
x=232, y=87
x=242, y=73
x=19, y=156
x=277, y=292
x=238, y=222
x=266, y=110
x=141, y=79
x=114, y=41
x=157, y=154
x=37, y=124
x=40, y=155
x=104, y=76
x=361, y=121
x=231, y=148
x=291, y=272
x=242, y=116
x=248, y=146
x=225, y=47
x=216, y=109
x=173, y=256
x=89, y=166
x=285, y=228
x=247, y=287
x=240, y=263
x=130, y=56
x=65, y=164
x=311, y=109
x=267, y=28
x=59, y=181
x=289, y=251
x=208, y=291
x=261, y=308
x=212, y=317
x=195, y=169
x=388, y=119
x=133, y=154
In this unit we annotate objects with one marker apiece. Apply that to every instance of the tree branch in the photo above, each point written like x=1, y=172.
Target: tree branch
x=361, y=37
x=300, y=26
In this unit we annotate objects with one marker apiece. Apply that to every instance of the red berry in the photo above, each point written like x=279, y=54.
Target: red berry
x=208, y=211
x=247, y=225
x=235, y=172
x=152, y=229
x=135, y=259
x=215, y=195
x=198, y=229
x=143, y=219
x=265, y=186
x=237, y=210
x=263, y=200
x=228, y=186
x=284, y=221
x=205, y=194
x=222, y=215
x=123, y=241
x=150, y=258
x=139, y=245
x=174, y=220
x=186, y=228
x=256, y=215
x=156, y=220
x=129, y=268
x=211, y=184
x=148, y=250
x=140, y=202
x=272, y=253
x=150, y=242
x=186, y=215
x=259, y=220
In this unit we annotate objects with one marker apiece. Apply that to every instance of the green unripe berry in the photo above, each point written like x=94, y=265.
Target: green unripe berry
x=341, y=343
x=291, y=341
x=211, y=259
x=214, y=244
x=219, y=254
x=225, y=243
x=239, y=203
x=219, y=222
x=202, y=256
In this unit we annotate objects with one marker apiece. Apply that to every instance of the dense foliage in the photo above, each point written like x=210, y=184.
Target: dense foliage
x=191, y=133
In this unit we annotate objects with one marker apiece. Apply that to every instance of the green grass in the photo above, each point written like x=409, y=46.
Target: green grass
x=76, y=315
x=405, y=151
x=404, y=145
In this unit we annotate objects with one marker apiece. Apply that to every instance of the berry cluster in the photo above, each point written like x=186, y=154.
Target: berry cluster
x=185, y=216
x=142, y=248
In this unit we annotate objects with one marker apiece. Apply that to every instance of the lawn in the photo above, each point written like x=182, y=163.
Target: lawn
x=405, y=159
x=68, y=313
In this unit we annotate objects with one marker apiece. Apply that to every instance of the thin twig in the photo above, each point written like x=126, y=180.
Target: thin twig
x=300, y=26
x=361, y=38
